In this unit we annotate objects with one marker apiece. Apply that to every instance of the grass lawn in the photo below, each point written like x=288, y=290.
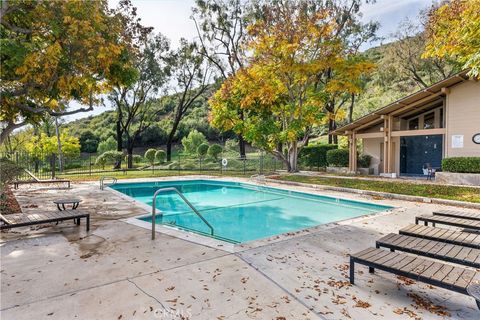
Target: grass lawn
x=149, y=174
x=400, y=187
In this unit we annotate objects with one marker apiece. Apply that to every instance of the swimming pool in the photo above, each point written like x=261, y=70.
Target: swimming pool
x=241, y=212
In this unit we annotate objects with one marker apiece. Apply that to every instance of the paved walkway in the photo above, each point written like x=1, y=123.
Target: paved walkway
x=117, y=272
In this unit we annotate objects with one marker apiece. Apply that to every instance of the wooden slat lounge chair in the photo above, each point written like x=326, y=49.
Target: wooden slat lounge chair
x=30, y=219
x=417, y=268
x=450, y=221
x=466, y=239
x=430, y=248
x=457, y=214
x=16, y=183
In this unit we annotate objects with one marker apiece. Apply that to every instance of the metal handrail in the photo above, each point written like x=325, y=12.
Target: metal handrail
x=154, y=205
x=102, y=181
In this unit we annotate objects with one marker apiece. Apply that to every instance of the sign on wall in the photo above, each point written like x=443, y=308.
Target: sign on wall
x=457, y=141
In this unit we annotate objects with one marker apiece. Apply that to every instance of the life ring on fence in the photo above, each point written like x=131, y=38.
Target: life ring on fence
x=224, y=162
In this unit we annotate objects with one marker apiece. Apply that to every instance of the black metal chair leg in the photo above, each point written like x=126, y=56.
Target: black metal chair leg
x=352, y=272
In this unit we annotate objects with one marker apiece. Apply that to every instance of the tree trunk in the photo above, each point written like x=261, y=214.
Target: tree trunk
x=241, y=144
x=293, y=157
x=119, y=137
x=129, y=156
x=241, y=141
x=59, y=144
x=350, y=109
x=332, y=125
x=170, y=138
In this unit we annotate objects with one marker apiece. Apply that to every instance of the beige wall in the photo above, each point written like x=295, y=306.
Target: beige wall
x=463, y=118
x=372, y=148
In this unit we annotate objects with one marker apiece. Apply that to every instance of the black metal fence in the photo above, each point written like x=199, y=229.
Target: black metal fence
x=46, y=166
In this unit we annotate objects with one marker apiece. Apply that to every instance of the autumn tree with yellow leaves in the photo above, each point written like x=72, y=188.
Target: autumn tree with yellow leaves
x=453, y=31
x=53, y=53
x=279, y=90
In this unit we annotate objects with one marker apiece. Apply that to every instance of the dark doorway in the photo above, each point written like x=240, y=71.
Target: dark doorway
x=416, y=151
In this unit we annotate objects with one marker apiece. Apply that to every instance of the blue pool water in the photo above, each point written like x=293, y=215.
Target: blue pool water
x=242, y=212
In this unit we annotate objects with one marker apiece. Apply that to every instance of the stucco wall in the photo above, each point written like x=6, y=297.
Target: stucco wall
x=372, y=148
x=463, y=118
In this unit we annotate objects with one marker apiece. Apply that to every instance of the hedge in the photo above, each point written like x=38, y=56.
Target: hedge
x=461, y=164
x=316, y=155
x=338, y=157
x=364, y=160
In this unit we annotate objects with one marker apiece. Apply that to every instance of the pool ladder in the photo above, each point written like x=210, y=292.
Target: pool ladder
x=102, y=181
x=154, y=208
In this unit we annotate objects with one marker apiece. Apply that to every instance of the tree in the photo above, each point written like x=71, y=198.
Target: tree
x=342, y=82
x=453, y=31
x=192, y=141
x=160, y=156
x=214, y=151
x=405, y=55
x=192, y=75
x=112, y=157
x=88, y=142
x=202, y=150
x=150, y=156
x=45, y=146
x=279, y=92
x=107, y=145
x=52, y=53
x=221, y=27
x=133, y=101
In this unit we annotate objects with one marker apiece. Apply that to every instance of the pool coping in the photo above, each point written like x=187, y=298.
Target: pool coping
x=387, y=195
x=230, y=247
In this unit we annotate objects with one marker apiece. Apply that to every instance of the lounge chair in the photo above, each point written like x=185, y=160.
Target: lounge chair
x=457, y=214
x=450, y=221
x=430, y=248
x=30, y=219
x=16, y=183
x=466, y=239
x=439, y=274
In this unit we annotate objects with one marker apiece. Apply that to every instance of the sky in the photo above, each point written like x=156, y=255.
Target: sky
x=172, y=18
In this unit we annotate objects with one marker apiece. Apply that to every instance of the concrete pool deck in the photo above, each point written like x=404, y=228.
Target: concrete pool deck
x=117, y=272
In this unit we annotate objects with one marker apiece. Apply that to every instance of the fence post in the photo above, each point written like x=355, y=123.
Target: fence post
x=52, y=165
x=90, y=163
x=179, y=162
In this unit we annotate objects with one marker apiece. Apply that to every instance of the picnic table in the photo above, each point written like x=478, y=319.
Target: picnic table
x=62, y=202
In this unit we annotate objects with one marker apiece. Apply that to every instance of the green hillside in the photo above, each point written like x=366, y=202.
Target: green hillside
x=391, y=80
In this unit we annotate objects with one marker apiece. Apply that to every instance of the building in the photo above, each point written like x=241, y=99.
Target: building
x=419, y=130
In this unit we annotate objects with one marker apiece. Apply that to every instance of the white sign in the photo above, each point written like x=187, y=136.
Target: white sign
x=457, y=141
x=224, y=162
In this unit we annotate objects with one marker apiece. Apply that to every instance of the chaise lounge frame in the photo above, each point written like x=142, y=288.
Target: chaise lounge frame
x=30, y=219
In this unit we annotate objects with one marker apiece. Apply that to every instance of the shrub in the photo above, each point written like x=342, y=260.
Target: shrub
x=136, y=158
x=150, y=155
x=214, y=151
x=193, y=141
x=107, y=145
x=231, y=145
x=88, y=142
x=202, y=150
x=110, y=157
x=315, y=155
x=338, y=157
x=160, y=155
x=8, y=171
x=461, y=164
x=364, y=160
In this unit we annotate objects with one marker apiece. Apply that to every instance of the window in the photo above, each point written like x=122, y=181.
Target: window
x=429, y=121
x=413, y=124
